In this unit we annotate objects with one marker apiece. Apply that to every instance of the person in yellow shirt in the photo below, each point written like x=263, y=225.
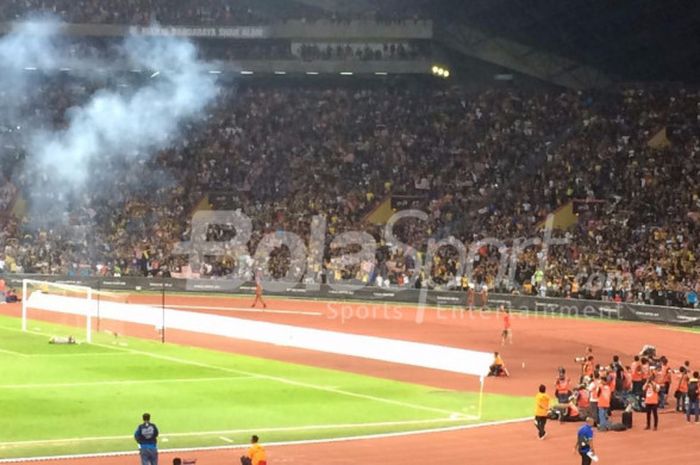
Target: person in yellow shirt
x=498, y=368
x=541, y=411
x=256, y=453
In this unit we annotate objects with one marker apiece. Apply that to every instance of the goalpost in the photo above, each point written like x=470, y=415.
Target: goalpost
x=86, y=310
x=82, y=307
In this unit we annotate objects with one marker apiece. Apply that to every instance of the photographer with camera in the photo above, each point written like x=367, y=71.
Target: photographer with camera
x=651, y=402
x=681, y=393
x=587, y=362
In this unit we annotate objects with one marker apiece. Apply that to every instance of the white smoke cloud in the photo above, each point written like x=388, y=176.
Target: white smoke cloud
x=112, y=124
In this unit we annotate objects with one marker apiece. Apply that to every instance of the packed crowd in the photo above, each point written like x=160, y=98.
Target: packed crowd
x=487, y=164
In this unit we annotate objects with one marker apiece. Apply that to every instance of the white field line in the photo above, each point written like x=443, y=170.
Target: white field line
x=291, y=382
x=283, y=443
x=125, y=382
x=35, y=442
x=274, y=378
x=246, y=310
x=12, y=352
x=225, y=439
x=80, y=354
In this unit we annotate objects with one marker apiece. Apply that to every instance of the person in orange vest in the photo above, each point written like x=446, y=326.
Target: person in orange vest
x=637, y=381
x=562, y=387
x=651, y=402
x=541, y=411
x=604, y=398
x=682, y=390
x=588, y=367
x=256, y=454
x=663, y=378
x=583, y=399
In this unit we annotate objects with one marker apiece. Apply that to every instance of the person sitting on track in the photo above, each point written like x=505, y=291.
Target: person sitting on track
x=498, y=368
x=572, y=413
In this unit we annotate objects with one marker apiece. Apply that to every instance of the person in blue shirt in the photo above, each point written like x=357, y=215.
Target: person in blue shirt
x=146, y=435
x=584, y=442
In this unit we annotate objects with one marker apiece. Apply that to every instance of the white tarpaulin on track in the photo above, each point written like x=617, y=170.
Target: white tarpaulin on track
x=468, y=362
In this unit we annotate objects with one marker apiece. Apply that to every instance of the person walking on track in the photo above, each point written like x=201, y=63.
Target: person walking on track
x=541, y=411
x=258, y=294
x=584, y=442
x=507, y=334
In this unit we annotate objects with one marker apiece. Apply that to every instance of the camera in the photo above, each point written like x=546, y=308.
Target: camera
x=579, y=359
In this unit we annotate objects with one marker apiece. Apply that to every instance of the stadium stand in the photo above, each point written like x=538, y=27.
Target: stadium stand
x=485, y=162
x=452, y=150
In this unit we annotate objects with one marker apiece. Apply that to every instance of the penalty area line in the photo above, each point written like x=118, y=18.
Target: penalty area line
x=13, y=353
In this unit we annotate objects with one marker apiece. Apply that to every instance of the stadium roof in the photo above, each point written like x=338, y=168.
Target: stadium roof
x=642, y=40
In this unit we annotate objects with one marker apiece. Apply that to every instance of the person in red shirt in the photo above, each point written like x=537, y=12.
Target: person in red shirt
x=507, y=334
x=258, y=294
x=651, y=402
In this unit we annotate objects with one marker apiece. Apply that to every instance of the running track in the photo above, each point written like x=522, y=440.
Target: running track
x=541, y=345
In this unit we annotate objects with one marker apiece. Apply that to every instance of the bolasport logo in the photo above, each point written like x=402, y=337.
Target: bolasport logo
x=309, y=255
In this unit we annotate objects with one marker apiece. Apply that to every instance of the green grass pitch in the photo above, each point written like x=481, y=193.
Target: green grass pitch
x=88, y=398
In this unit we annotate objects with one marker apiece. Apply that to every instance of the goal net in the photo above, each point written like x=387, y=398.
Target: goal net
x=82, y=311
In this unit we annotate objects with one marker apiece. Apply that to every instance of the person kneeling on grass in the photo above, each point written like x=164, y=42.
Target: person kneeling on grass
x=498, y=368
x=62, y=340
